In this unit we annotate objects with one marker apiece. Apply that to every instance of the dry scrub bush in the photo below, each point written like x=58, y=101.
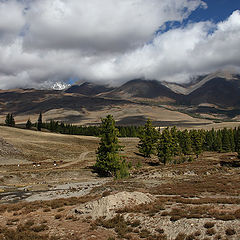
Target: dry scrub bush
x=144, y=233
x=23, y=232
x=218, y=237
x=181, y=236
x=210, y=231
x=58, y=216
x=40, y=228
x=209, y=225
x=147, y=208
x=230, y=232
x=118, y=223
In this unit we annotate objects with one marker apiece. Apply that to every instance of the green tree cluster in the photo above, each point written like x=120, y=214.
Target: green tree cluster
x=171, y=143
x=60, y=127
x=9, y=121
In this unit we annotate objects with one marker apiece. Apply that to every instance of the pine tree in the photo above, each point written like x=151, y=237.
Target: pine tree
x=226, y=144
x=238, y=141
x=165, y=147
x=108, y=153
x=39, y=122
x=175, y=142
x=148, y=138
x=28, y=124
x=218, y=141
x=209, y=140
x=9, y=121
x=197, y=142
x=231, y=138
x=185, y=142
x=12, y=121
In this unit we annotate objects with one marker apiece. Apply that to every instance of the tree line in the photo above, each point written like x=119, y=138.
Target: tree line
x=172, y=145
x=60, y=127
x=64, y=128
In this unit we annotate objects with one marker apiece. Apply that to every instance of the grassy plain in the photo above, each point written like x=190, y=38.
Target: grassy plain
x=45, y=177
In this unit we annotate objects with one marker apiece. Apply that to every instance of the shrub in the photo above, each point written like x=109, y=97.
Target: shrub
x=135, y=223
x=230, y=232
x=58, y=216
x=175, y=218
x=29, y=223
x=40, y=228
x=197, y=233
x=60, y=209
x=209, y=225
x=181, y=236
x=46, y=210
x=210, y=231
x=160, y=230
x=144, y=233
x=237, y=214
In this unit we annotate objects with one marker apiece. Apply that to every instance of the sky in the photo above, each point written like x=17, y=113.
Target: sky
x=51, y=43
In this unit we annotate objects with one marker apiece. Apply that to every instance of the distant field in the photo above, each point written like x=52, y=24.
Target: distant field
x=126, y=114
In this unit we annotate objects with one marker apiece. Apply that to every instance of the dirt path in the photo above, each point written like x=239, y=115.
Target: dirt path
x=61, y=167
x=81, y=158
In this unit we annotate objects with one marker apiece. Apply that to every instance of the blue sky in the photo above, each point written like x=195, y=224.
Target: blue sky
x=218, y=10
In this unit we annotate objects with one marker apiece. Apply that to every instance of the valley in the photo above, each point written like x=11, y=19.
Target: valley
x=49, y=191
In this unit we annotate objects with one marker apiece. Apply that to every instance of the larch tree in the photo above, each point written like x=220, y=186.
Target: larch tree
x=28, y=124
x=39, y=122
x=165, y=149
x=109, y=162
x=148, y=138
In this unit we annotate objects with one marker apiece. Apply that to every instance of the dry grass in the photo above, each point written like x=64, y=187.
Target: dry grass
x=46, y=206
x=210, y=194
x=25, y=232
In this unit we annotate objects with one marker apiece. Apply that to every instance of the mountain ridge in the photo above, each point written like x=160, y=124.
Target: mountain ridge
x=216, y=95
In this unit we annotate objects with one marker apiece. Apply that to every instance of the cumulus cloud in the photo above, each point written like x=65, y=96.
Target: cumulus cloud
x=110, y=41
x=106, y=25
x=11, y=20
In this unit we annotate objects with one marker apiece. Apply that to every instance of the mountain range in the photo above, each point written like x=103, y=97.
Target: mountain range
x=212, y=96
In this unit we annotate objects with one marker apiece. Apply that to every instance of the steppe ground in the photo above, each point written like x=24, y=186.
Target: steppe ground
x=48, y=191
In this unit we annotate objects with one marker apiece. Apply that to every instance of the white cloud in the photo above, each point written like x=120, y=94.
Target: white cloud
x=96, y=26
x=110, y=41
x=11, y=20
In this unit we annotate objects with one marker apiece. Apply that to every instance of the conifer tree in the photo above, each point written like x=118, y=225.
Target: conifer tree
x=165, y=147
x=218, y=142
x=148, y=138
x=185, y=142
x=9, y=121
x=39, y=122
x=12, y=120
x=238, y=141
x=108, y=153
x=175, y=142
x=231, y=138
x=197, y=142
x=209, y=140
x=28, y=124
x=226, y=144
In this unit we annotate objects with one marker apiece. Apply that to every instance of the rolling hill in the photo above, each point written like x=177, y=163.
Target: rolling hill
x=213, y=96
